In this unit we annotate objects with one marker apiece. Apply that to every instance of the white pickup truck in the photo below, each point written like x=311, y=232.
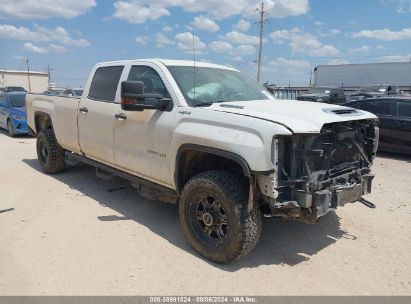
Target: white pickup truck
x=212, y=140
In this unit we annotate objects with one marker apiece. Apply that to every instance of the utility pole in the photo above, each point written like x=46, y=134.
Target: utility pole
x=49, y=73
x=28, y=74
x=261, y=12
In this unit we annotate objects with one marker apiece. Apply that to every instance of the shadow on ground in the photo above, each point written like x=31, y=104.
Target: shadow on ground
x=288, y=243
x=4, y=132
x=396, y=156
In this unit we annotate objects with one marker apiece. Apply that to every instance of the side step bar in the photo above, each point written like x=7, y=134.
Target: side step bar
x=146, y=188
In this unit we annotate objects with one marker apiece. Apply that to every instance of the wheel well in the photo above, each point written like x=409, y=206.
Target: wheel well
x=191, y=162
x=42, y=121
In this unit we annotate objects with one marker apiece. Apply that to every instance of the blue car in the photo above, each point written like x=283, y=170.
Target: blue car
x=13, y=112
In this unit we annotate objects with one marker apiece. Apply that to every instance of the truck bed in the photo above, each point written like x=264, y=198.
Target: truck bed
x=62, y=111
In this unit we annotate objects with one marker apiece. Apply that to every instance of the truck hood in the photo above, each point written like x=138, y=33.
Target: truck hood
x=298, y=116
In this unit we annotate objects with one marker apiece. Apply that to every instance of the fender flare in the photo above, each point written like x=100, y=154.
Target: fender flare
x=218, y=152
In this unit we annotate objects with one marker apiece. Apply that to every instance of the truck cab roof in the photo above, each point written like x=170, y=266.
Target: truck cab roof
x=167, y=62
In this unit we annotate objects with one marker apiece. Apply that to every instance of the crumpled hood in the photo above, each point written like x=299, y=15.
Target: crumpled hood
x=298, y=116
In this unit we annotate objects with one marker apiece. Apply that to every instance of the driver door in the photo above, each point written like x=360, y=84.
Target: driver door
x=142, y=139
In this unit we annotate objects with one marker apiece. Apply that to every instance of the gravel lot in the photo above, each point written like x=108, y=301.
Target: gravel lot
x=73, y=234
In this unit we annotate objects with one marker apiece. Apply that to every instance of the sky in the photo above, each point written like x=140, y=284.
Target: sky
x=72, y=36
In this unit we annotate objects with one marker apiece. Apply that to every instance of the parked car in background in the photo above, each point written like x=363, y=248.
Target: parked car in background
x=53, y=92
x=395, y=121
x=324, y=94
x=13, y=112
x=73, y=92
x=14, y=89
x=373, y=91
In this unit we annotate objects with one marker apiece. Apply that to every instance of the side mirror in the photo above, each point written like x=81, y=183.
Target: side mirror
x=133, y=98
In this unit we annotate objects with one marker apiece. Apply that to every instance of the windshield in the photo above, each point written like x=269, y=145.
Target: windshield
x=78, y=92
x=373, y=88
x=212, y=85
x=380, y=89
x=15, y=89
x=17, y=101
x=319, y=91
x=355, y=98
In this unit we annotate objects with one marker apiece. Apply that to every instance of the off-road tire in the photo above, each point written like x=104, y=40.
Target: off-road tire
x=49, y=152
x=244, y=228
x=10, y=128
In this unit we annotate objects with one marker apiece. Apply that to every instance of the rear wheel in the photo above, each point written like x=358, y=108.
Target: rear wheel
x=10, y=128
x=49, y=152
x=214, y=217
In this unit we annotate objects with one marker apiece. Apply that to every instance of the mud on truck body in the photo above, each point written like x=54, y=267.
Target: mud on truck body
x=218, y=144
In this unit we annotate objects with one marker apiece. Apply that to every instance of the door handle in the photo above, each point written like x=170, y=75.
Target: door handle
x=83, y=110
x=120, y=116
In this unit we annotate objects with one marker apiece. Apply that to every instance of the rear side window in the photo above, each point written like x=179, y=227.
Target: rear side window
x=404, y=109
x=105, y=82
x=382, y=107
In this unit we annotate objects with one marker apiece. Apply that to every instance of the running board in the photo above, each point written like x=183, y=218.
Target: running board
x=144, y=186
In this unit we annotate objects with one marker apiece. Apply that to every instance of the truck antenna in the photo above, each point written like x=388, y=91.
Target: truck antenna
x=194, y=59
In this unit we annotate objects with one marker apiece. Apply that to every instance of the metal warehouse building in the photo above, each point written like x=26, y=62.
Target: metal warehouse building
x=35, y=82
x=356, y=75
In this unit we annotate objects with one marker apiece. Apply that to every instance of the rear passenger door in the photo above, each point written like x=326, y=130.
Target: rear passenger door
x=403, y=125
x=96, y=114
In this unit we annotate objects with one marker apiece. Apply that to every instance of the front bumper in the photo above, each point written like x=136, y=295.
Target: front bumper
x=309, y=207
x=20, y=126
x=326, y=200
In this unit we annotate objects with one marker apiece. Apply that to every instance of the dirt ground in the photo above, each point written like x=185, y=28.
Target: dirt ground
x=73, y=234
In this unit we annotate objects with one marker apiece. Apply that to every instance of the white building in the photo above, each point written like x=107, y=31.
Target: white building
x=356, y=75
x=35, y=82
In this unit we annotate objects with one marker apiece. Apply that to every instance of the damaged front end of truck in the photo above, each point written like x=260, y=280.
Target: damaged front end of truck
x=315, y=173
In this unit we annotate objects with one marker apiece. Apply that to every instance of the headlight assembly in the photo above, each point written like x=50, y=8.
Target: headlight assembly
x=18, y=117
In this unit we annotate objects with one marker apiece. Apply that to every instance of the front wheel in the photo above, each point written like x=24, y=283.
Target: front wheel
x=10, y=128
x=49, y=152
x=214, y=217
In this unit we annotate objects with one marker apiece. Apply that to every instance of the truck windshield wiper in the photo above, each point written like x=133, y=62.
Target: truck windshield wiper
x=204, y=104
x=208, y=103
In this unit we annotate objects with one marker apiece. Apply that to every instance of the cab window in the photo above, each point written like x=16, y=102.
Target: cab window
x=153, y=84
x=105, y=82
